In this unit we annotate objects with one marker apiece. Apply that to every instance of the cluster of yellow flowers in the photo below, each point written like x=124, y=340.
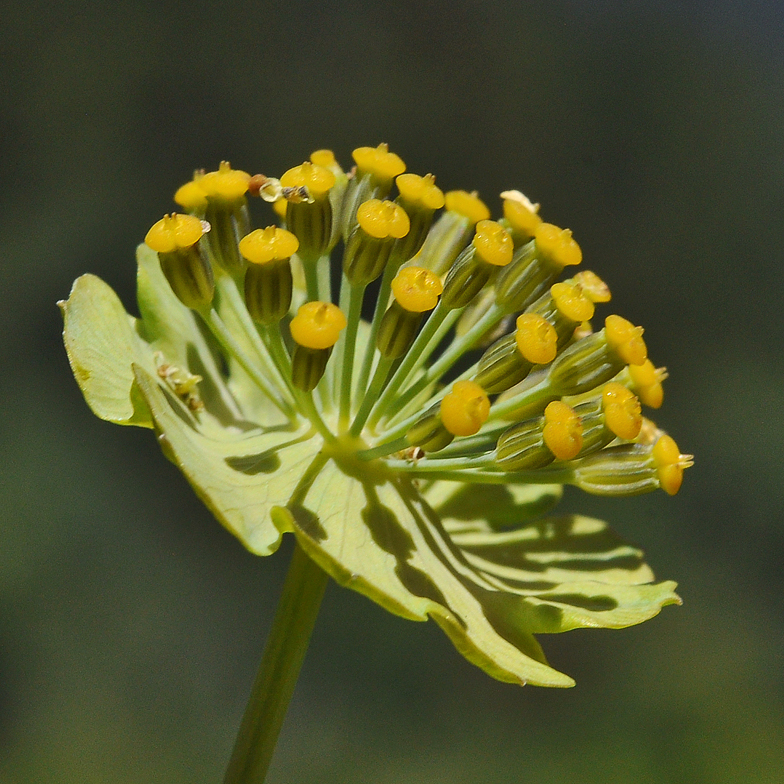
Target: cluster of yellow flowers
x=552, y=400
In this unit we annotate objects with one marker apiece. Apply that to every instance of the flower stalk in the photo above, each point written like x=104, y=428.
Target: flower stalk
x=280, y=665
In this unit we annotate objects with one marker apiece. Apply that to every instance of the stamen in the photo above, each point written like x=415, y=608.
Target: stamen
x=536, y=339
x=562, y=432
x=622, y=412
x=465, y=409
x=557, y=246
x=626, y=340
x=317, y=325
x=175, y=232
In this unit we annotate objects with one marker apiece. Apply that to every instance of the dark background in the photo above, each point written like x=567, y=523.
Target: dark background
x=131, y=623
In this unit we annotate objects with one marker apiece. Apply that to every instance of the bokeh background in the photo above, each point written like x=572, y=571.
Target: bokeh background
x=131, y=623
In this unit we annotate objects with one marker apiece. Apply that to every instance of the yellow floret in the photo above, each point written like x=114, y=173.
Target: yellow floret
x=465, y=409
x=622, y=412
x=521, y=213
x=557, y=246
x=646, y=380
x=317, y=179
x=191, y=196
x=175, y=232
x=536, y=339
x=317, y=325
x=670, y=464
x=421, y=191
x=417, y=289
x=626, y=340
x=382, y=219
x=226, y=184
x=379, y=162
x=469, y=205
x=563, y=430
x=493, y=243
x=571, y=302
x=593, y=286
x=325, y=158
x=271, y=244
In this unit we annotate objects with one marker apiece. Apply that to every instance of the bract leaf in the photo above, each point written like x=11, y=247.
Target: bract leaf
x=178, y=333
x=102, y=346
x=465, y=507
x=238, y=474
x=574, y=571
x=376, y=534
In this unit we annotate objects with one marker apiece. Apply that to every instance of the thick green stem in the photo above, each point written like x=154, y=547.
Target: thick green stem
x=280, y=665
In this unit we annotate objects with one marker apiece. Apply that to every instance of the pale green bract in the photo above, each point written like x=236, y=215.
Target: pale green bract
x=487, y=562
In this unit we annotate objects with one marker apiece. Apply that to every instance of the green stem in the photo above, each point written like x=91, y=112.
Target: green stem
x=280, y=665
x=409, y=362
x=379, y=378
x=381, y=305
x=308, y=406
x=347, y=354
x=459, y=347
x=387, y=448
x=542, y=476
x=310, y=268
x=233, y=348
x=230, y=289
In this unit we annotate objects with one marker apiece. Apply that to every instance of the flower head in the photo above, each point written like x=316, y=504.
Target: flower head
x=416, y=457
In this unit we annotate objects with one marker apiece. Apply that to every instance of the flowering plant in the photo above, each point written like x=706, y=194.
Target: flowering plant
x=417, y=456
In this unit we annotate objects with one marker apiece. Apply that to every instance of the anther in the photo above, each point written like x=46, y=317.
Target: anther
x=670, y=464
x=626, y=340
x=536, y=339
x=521, y=215
x=647, y=383
x=622, y=412
x=556, y=246
x=562, y=431
x=465, y=409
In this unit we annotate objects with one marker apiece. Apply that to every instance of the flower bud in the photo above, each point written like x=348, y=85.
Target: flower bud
x=592, y=286
x=420, y=198
x=416, y=291
x=521, y=216
x=615, y=413
x=565, y=306
x=315, y=330
x=537, y=442
x=646, y=382
x=227, y=213
x=309, y=218
x=379, y=224
x=268, y=279
x=510, y=359
x=556, y=247
x=176, y=239
x=597, y=358
x=562, y=431
x=633, y=468
x=490, y=249
x=465, y=409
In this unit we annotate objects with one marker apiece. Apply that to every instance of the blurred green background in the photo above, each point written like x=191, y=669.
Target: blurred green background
x=131, y=623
